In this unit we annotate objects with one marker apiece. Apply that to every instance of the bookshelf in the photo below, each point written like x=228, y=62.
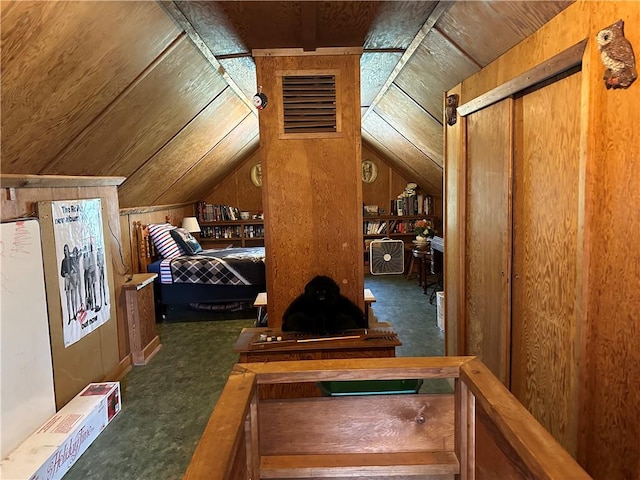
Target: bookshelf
x=397, y=227
x=239, y=233
x=223, y=225
x=392, y=226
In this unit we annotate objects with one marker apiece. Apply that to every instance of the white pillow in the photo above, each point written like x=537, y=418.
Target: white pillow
x=160, y=233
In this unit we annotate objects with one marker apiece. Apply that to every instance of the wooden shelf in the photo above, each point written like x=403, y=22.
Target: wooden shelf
x=378, y=235
x=360, y=464
x=235, y=232
x=232, y=222
x=391, y=224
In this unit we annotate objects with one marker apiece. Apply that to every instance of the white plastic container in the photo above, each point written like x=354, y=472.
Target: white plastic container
x=440, y=309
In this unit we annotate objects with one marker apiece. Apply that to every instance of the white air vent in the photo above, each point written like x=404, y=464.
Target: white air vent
x=309, y=103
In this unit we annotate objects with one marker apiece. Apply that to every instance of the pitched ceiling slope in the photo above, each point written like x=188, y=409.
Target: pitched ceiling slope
x=116, y=88
x=160, y=92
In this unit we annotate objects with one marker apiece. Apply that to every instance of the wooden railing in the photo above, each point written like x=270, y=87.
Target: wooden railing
x=478, y=431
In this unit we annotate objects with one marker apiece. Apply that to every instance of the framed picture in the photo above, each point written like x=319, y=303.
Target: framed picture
x=371, y=210
x=369, y=171
x=256, y=175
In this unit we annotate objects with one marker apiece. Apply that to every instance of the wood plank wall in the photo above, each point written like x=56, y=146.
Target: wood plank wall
x=111, y=339
x=147, y=215
x=607, y=262
x=387, y=186
x=312, y=189
x=237, y=189
x=610, y=437
x=60, y=76
x=145, y=105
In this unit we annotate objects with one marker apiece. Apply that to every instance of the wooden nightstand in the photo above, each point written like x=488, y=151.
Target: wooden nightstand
x=141, y=318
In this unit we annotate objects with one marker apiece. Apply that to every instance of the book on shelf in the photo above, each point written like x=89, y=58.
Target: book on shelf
x=253, y=231
x=417, y=204
x=210, y=212
x=220, y=232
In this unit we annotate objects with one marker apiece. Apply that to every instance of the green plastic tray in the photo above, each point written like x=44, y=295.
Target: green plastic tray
x=369, y=387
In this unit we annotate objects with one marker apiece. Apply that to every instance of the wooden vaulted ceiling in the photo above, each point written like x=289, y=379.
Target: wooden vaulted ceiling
x=160, y=92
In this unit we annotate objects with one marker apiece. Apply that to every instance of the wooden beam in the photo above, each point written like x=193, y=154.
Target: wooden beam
x=357, y=369
x=440, y=9
x=309, y=26
x=563, y=61
x=57, y=181
x=383, y=50
x=153, y=208
x=298, y=52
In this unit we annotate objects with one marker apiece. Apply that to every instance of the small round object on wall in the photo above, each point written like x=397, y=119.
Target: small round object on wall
x=260, y=99
x=256, y=175
x=369, y=171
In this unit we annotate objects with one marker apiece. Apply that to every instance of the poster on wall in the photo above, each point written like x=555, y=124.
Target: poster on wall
x=79, y=243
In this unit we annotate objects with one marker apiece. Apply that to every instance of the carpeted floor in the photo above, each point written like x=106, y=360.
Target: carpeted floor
x=166, y=404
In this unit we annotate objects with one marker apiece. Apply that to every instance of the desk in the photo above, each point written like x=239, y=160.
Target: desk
x=375, y=344
x=261, y=304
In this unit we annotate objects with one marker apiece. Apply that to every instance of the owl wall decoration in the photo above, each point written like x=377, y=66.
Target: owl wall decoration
x=450, y=109
x=617, y=56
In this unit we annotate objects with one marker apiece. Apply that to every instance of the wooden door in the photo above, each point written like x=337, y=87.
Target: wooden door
x=487, y=236
x=545, y=232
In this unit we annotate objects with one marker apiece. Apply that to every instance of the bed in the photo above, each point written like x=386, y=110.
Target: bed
x=221, y=279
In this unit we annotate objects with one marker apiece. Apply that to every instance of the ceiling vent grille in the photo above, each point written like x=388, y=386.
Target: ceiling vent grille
x=309, y=103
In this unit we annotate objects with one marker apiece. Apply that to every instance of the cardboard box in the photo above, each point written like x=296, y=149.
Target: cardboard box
x=440, y=309
x=51, y=451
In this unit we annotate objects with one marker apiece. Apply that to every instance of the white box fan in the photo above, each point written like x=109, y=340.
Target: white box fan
x=386, y=256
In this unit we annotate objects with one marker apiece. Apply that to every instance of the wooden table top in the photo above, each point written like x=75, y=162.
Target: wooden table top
x=250, y=340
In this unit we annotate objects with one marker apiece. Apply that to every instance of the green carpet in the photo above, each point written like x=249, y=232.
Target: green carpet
x=167, y=403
